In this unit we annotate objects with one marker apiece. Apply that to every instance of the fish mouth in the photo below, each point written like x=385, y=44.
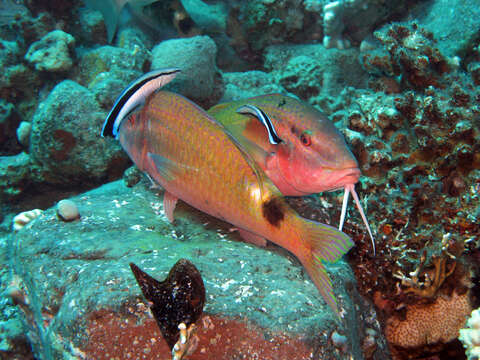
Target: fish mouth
x=348, y=176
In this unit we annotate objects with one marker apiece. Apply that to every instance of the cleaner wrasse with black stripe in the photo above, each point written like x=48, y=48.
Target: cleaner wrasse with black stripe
x=194, y=159
x=296, y=145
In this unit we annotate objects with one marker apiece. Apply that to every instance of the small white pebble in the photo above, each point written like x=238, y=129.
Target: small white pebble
x=339, y=341
x=67, y=210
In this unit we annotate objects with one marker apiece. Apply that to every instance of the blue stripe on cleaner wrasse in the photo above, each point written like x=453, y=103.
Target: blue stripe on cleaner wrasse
x=264, y=119
x=195, y=159
x=134, y=96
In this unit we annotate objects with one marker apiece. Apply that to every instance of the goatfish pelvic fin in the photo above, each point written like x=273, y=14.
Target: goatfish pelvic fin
x=134, y=96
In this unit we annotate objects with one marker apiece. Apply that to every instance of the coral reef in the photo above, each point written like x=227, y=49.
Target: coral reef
x=427, y=324
x=312, y=71
x=25, y=218
x=219, y=338
x=401, y=79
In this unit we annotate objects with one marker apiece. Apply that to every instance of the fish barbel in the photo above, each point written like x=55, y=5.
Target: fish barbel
x=296, y=145
x=192, y=156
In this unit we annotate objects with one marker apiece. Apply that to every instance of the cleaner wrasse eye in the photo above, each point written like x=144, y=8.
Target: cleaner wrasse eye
x=311, y=156
x=195, y=159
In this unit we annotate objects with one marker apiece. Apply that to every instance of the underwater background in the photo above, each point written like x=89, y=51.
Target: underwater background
x=400, y=79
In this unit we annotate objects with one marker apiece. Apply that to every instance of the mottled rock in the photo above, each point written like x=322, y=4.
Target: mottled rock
x=89, y=260
x=240, y=85
x=65, y=139
x=53, y=52
x=312, y=70
x=356, y=19
x=9, y=120
x=199, y=80
x=15, y=174
x=441, y=17
x=92, y=26
x=107, y=62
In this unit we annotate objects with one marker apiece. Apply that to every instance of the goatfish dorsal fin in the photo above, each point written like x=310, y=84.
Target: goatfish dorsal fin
x=264, y=119
x=134, y=95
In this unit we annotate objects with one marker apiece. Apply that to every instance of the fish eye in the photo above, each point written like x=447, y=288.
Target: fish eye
x=306, y=139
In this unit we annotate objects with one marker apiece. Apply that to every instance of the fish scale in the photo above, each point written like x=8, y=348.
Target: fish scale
x=203, y=167
x=193, y=157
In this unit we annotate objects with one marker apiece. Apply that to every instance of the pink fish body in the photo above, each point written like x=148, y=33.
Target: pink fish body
x=311, y=155
x=192, y=156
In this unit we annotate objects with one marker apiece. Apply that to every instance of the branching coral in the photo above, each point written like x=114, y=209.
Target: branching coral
x=422, y=282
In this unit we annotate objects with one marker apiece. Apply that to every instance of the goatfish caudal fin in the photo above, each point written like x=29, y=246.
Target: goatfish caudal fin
x=350, y=188
x=323, y=243
x=134, y=96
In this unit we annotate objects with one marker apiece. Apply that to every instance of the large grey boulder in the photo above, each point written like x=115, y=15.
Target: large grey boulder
x=65, y=138
x=88, y=260
x=312, y=70
x=200, y=79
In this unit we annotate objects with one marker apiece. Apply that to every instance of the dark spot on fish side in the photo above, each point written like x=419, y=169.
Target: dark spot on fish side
x=281, y=103
x=274, y=211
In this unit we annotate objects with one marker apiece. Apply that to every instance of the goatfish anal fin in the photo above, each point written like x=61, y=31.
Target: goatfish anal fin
x=134, y=96
x=264, y=119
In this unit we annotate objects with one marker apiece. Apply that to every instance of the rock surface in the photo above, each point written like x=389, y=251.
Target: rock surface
x=52, y=52
x=312, y=70
x=65, y=138
x=84, y=267
x=199, y=80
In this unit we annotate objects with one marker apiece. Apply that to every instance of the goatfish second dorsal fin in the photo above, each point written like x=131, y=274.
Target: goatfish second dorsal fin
x=134, y=95
x=264, y=119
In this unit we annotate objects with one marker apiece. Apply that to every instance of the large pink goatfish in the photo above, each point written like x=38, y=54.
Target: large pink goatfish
x=296, y=145
x=191, y=155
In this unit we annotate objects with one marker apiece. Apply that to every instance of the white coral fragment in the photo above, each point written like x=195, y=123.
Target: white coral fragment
x=470, y=336
x=24, y=218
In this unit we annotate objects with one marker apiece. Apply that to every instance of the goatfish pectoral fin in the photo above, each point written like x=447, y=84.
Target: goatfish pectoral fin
x=134, y=96
x=167, y=168
x=164, y=167
x=264, y=119
x=325, y=244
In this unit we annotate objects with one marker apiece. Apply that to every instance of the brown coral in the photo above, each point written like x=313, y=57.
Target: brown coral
x=428, y=324
x=429, y=287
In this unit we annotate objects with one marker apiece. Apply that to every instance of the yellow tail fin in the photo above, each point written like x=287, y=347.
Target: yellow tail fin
x=323, y=243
